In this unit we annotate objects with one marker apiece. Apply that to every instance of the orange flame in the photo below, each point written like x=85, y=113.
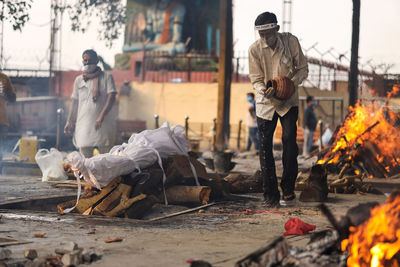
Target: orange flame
x=375, y=242
x=355, y=130
x=394, y=92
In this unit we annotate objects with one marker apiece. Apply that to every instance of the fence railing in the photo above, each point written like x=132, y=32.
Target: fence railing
x=202, y=67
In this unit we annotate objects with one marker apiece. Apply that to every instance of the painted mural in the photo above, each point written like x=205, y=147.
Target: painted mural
x=174, y=26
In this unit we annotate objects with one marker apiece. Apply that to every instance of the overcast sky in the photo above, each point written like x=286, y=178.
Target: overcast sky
x=327, y=22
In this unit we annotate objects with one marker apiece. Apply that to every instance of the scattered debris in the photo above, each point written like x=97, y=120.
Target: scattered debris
x=198, y=263
x=113, y=240
x=30, y=254
x=39, y=235
x=4, y=253
x=72, y=258
x=70, y=246
x=61, y=251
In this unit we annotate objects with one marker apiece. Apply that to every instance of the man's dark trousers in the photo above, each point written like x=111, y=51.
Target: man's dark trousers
x=266, y=129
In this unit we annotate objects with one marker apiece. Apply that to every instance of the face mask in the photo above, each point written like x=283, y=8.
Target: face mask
x=90, y=68
x=249, y=99
x=271, y=40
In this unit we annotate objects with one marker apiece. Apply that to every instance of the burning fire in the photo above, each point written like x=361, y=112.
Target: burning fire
x=372, y=123
x=375, y=242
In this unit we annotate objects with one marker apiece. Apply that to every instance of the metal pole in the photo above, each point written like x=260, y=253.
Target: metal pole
x=189, y=68
x=224, y=74
x=333, y=113
x=239, y=132
x=237, y=69
x=60, y=113
x=156, y=117
x=214, y=133
x=353, y=75
x=341, y=110
x=187, y=126
x=144, y=65
x=321, y=126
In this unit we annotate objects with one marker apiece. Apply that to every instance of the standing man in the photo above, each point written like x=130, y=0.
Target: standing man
x=92, y=117
x=309, y=125
x=251, y=121
x=7, y=94
x=276, y=54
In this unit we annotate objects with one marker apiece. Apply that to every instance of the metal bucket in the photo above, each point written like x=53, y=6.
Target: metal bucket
x=223, y=161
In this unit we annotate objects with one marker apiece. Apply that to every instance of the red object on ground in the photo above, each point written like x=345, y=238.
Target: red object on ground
x=295, y=226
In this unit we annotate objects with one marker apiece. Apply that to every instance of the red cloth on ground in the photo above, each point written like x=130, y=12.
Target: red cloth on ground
x=295, y=226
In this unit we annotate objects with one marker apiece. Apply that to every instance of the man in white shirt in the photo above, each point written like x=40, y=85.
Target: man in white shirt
x=276, y=54
x=92, y=117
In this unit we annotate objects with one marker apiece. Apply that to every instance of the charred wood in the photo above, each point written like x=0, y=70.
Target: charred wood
x=316, y=188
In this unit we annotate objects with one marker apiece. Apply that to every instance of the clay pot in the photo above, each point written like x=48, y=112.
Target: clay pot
x=284, y=87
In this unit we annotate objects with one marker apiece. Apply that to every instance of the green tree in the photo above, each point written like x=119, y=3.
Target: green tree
x=15, y=11
x=111, y=14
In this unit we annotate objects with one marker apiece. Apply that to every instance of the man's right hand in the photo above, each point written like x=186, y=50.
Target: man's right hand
x=69, y=128
x=269, y=92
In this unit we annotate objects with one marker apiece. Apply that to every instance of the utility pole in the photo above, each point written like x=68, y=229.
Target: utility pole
x=56, y=12
x=2, y=36
x=224, y=74
x=287, y=16
x=353, y=75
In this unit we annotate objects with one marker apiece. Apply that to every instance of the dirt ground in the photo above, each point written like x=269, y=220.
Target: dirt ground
x=221, y=235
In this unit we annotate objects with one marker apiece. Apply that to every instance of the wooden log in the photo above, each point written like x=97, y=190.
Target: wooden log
x=271, y=255
x=240, y=184
x=316, y=185
x=86, y=202
x=367, y=155
x=124, y=204
x=188, y=194
x=138, y=209
x=112, y=200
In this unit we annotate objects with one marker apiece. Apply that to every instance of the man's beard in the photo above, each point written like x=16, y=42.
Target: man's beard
x=271, y=41
x=90, y=68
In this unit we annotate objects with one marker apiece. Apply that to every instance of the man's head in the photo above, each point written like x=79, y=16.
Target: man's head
x=309, y=100
x=89, y=60
x=267, y=26
x=250, y=97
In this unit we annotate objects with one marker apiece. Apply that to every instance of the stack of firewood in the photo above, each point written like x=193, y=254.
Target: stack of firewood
x=133, y=195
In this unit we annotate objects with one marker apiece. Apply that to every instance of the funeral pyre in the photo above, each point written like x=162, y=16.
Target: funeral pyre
x=367, y=142
x=368, y=235
x=154, y=166
x=376, y=242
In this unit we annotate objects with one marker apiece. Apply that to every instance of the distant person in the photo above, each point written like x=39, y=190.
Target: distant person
x=7, y=94
x=92, y=117
x=276, y=54
x=309, y=125
x=251, y=121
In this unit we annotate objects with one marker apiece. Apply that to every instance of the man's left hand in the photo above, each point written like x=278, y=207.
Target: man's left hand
x=97, y=124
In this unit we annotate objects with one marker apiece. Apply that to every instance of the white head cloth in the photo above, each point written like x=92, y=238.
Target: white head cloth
x=265, y=26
